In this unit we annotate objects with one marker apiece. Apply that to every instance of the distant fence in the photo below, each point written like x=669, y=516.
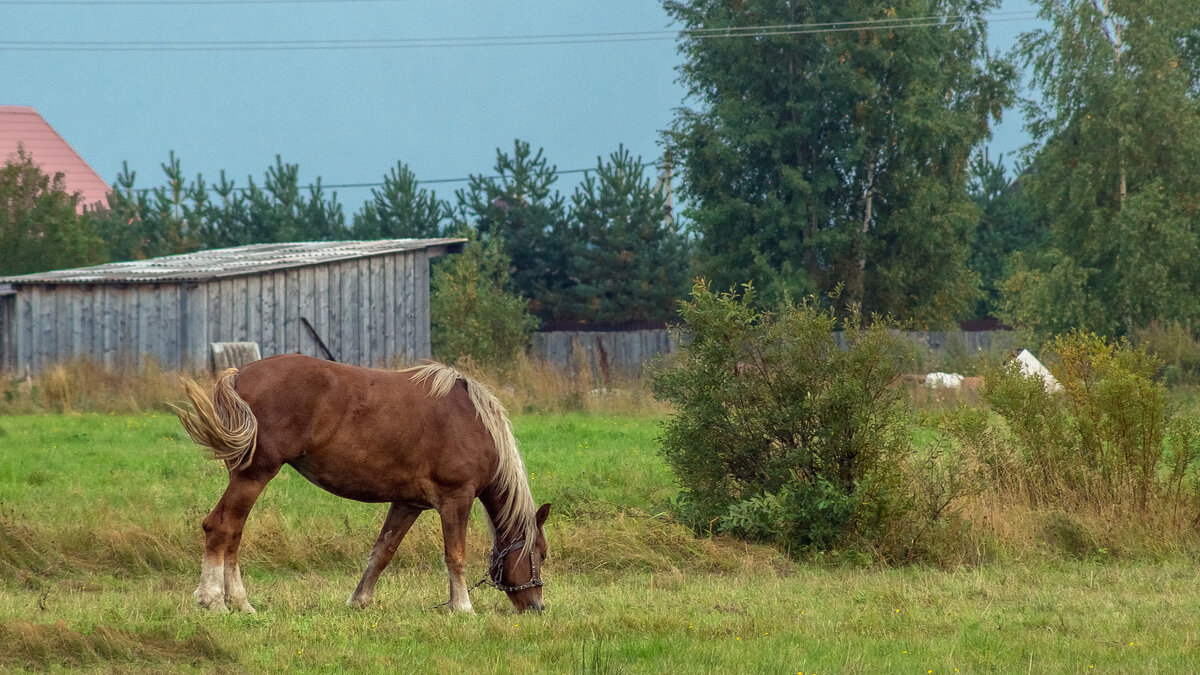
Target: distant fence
x=623, y=352
x=628, y=352
x=942, y=344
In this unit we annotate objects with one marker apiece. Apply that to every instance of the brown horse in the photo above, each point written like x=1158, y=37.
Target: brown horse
x=422, y=438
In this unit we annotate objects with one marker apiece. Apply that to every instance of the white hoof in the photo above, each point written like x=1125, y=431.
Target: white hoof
x=209, y=601
x=244, y=605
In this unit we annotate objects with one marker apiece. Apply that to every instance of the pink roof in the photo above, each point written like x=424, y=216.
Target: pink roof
x=21, y=125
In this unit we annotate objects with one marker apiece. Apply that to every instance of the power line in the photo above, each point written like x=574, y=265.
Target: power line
x=494, y=41
x=431, y=181
x=171, y=3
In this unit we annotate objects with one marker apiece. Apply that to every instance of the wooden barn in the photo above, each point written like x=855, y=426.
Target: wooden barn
x=359, y=302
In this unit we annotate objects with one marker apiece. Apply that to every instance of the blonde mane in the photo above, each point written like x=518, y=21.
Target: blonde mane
x=518, y=512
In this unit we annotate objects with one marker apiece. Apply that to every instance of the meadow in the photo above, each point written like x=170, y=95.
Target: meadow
x=100, y=543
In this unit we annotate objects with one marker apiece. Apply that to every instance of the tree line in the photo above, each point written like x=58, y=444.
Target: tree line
x=844, y=164
x=605, y=254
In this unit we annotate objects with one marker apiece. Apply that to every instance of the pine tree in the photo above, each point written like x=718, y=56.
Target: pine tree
x=1007, y=224
x=474, y=313
x=626, y=261
x=402, y=209
x=521, y=208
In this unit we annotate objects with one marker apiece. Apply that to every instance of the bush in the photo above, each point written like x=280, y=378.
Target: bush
x=1039, y=453
x=1109, y=437
x=780, y=434
x=474, y=313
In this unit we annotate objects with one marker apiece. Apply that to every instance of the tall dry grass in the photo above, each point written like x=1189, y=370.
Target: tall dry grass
x=530, y=386
x=534, y=386
x=85, y=386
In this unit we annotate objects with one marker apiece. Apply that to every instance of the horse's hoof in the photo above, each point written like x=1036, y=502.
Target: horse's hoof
x=246, y=607
x=211, y=603
x=355, y=602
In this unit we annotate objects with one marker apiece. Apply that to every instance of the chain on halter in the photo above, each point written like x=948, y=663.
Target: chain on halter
x=496, y=571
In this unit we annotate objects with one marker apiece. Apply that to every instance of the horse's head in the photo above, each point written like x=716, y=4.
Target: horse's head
x=520, y=571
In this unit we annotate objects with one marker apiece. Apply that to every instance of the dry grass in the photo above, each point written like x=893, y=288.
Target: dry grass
x=46, y=646
x=533, y=386
x=530, y=387
x=1007, y=528
x=85, y=386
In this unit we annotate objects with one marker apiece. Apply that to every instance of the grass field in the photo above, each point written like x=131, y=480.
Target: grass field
x=100, y=544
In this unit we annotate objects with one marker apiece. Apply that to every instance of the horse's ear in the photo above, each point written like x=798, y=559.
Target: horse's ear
x=542, y=513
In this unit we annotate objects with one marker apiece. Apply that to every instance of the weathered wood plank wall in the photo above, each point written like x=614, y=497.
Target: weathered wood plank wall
x=369, y=311
x=8, y=332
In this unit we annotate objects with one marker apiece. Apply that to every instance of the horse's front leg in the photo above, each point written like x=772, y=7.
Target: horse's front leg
x=399, y=518
x=221, y=577
x=455, y=512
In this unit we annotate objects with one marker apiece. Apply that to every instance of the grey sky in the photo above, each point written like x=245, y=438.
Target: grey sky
x=349, y=115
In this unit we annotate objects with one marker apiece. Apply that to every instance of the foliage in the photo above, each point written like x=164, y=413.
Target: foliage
x=1176, y=345
x=1040, y=458
x=780, y=433
x=813, y=160
x=474, y=313
x=521, y=211
x=1007, y=224
x=627, y=262
x=182, y=216
x=401, y=209
x=1110, y=437
x=39, y=227
x=146, y=224
x=1120, y=138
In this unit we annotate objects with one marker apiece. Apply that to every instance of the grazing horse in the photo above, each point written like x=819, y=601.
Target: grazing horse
x=423, y=438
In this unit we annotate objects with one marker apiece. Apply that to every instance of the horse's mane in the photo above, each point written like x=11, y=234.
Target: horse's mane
x=518, y=511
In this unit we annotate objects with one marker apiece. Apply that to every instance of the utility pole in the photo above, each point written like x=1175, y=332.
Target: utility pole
x=664, y=187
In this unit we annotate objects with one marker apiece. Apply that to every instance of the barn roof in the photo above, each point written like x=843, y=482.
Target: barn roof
x=22, y=126
x=231, y=262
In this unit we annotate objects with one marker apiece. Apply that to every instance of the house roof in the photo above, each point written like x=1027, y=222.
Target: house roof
x=22, y=126
x=231, y=262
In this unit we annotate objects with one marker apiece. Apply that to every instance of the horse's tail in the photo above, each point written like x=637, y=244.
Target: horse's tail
x=518, y=511
x=222, y=422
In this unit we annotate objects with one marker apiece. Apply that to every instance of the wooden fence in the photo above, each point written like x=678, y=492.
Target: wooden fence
x=607, y=353
x=627, y=353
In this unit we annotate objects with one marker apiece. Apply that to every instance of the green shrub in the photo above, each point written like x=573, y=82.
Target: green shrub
x=1040, y=455
x=780, y=434
x=474, y=314
x=1106, y=437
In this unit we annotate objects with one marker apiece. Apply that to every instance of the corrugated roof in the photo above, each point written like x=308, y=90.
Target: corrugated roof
x=230, y=262
x=22, y=126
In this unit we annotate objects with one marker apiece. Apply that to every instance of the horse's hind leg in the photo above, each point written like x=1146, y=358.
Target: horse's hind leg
x=399, y=518
x=221, y=578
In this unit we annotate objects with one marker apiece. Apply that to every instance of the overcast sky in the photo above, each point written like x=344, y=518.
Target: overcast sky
x=348, y=115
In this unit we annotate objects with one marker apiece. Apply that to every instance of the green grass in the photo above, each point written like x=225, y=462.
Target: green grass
x=100, y=545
